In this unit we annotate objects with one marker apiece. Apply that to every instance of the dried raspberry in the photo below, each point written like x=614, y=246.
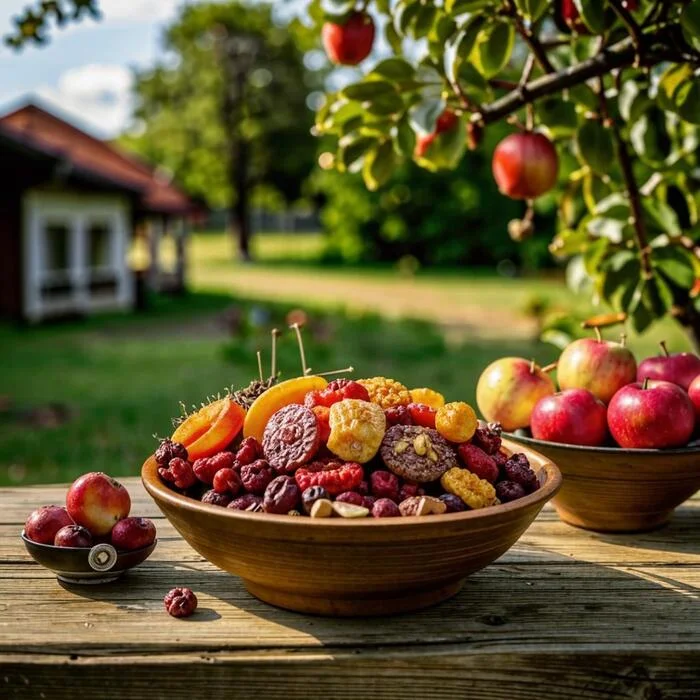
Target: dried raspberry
x=408, y=490
x=454, y=503
x=322, y=413
x=249, y=451
x=478, y=462
x=168, y=450
x=335, y=477
x=313, y=399
x=368, y=502
x=227, y=481
x=256, y=476
x=291, y=438
x=205, y=468
x=385, y=508
x=281, y=495
x=500, y=458
x=398, y=415
x=517, y=469
x=488, y=440
x=350, y=497
x=179, y=472
x=509, y=491
x=363, y=488
x=311, y=495
x=247, y=501
x=385, y=485
x=180, y=602
x=216, y=499
x=348, y=389
x=422, y=415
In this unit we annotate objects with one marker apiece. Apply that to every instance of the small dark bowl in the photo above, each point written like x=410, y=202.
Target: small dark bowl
x=86, y=565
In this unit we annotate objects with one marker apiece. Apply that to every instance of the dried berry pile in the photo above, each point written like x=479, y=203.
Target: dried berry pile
x=351, y=449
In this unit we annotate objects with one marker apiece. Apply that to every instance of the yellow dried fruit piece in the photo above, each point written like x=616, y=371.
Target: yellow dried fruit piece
x=357, y=430
x=276, y=397
x=475, y=492
x=456, y=421
x=386, y=392
x=428, y=397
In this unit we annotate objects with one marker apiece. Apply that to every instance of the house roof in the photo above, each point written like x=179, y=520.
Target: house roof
x=41, y=132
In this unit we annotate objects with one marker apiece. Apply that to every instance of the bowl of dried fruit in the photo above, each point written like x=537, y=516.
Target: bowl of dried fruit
x=349, y=497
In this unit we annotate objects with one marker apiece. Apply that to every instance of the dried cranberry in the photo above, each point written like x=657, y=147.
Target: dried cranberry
x=385, y=508
x=216, y=499
x=168, y=450
x=500, y=458
x=363, y=488
x=488, y=440
x=422, y=415
x=409, y=490
x=509, y=491
x=368, y=502
x=281, y=495
x=384, y=484
x=249, y=450
x=178, y=472
x=180, y=602
x=454, y=503
x=205, y=468
x=311, y=495
x=398, y=415
x=517, y=469
x=257, y=476
x=478, y=462
x=227, y=481
x=247, y=501
x=350, y=497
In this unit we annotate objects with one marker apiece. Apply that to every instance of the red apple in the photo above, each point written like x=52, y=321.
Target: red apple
x=680, y=368
x=97, y=501
x=694, y=394
x=525, y=165
x=655, y=414
x=508, y=390
x=601, y=366
x=133, y=533
x=73, y=536
x=351, y=42
x=447, y=121
x=43, y=524
x=573, y=417
x=572, y=17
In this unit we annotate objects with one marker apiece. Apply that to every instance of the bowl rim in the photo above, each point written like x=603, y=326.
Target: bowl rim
x=54, y=548
x=158, y=490
x=524, y=439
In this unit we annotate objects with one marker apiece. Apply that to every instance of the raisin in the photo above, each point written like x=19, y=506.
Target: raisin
x=385, y=508
x=478, y=462
x=489, y=441
x=281, y=495
x=168, y=450
x=454, y=503
x=311, y=495
x=350, y=497
x=180, y=602
x=335, y=477
x=249, y=450
x=363, y=488
x=205, y=468
x=398, y=415
x=368, y=502
x=256, y=476
x=517, y=469
x=384, y=484
x=216, y=499
x=245, y=502
x=509, y=491
x=178, y=472
x=227, y=481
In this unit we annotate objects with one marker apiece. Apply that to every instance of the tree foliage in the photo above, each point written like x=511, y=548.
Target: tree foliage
x=616, y=85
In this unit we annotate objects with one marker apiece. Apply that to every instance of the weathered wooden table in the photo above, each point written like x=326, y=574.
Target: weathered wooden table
x=565, y=614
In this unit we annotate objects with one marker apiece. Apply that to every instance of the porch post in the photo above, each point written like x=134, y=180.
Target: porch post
x=181, y=233
x=155, y=233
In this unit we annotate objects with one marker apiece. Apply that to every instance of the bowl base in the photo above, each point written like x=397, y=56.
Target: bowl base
x=373, y=605
x=615, y=523
x=88, y=581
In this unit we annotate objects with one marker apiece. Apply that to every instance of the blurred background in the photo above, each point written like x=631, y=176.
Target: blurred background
x=165, y=204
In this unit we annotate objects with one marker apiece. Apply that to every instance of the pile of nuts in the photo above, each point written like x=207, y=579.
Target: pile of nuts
x=352, y=449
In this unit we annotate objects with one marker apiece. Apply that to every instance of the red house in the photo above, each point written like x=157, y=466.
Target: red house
x=70, y=206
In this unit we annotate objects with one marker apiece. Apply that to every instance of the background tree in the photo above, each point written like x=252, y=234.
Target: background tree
x=614, y=83
x=226, y=112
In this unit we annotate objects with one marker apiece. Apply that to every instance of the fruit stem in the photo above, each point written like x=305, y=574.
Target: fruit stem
x=273, y=362
x=623, y=339
x=297, y=330
x=533, y=366
x=347, y=370
x=259, y=354
x=598, y=334
x=645, y=385
x=664, y=348
x=550, y=367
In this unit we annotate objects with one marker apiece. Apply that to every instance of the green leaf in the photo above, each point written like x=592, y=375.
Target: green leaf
x=569, y=242
x=558, y=116
x=594, y=255
x=368, y=90
x=424, y=21
x=354, y=150
x=494, y=47
x=425, y=114
x=443, y=31
x=584, y=96
x=649, y=137
x=396, y=69
x=621, y=274
x=447, y=149
x=465, y=41
x=671, y=80
x=405, y=139
x=676, y=264
x=532, y=10
x=687, y=101
x=662, y=216
x=690, y=24
x=612, y=229
x=633, y=101
x=379, y=166
x=406, y=13
x=595, y=146
x=474, y=85
x=593, y=14
x=460, y=7
x=385, y=105
x=393, y=38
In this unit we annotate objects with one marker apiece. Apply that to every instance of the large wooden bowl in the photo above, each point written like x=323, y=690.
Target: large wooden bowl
x=610, y=489
x=352, y=567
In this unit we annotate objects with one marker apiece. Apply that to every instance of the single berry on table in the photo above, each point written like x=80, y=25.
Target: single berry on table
x=422, y=414
x=73, y=536
x=281, y=495
x=312, y=494
x=255, y=477
x=384, y=484
x=509, y=491
x=398, y=415
x=179, y=472
x=385, y=508
x=205, y=468
x=454, y=503
x=216, y=499
x=180, y=602
x=350, y=497
x=335, y=477
x=227, y=481
x=478, y=462
x=168, y=450
x=456, y=421
x=245, y=502
x=250, y=450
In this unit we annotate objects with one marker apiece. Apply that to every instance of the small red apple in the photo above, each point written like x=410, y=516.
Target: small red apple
x=655, y=414
x=603, y=367
x=680, y=368
x=572, y=17
x=349, y=43
x=694, y=394
x=133, y=533
x=97, y=501
x=73, y=536
x=43, y=524
x=525, y=165
x=508, y=390
x=573, y=417
x=447, y=121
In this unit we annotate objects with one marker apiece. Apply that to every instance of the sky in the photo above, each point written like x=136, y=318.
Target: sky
x=85, y=71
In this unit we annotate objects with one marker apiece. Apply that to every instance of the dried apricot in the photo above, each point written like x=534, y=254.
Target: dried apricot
x=429, y=397
x=456, y=422
x=386, y=392
x=357, y=430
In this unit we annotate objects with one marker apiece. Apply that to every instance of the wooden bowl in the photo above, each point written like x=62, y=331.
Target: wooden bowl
x=86, y=565
x=610, y=489
x=340, y=567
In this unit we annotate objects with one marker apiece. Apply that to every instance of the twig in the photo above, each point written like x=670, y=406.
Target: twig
x=632, y=27
x=531, y=39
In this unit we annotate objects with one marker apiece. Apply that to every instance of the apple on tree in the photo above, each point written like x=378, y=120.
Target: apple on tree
x=680, y=368
x=349, y=42
x=572, y=417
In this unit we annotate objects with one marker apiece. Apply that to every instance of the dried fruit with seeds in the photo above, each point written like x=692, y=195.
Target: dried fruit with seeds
x=428, y=397
x=456, y=421
x=475, y=492
x=488, y=439
x=357, y=429
x=335, y=477
x=386, y=392
x=517, y=468
x=416, y=454
x=292, y=438
x=180, y=602
x=246, y=397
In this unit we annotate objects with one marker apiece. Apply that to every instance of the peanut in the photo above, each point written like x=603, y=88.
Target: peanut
x=348, y=510
x=322, y=508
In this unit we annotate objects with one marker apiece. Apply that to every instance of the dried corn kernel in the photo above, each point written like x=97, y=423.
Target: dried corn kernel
x=386, y=392
x=428, y=397
x=357, y=429
x=456, y=421
x=475, y=492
